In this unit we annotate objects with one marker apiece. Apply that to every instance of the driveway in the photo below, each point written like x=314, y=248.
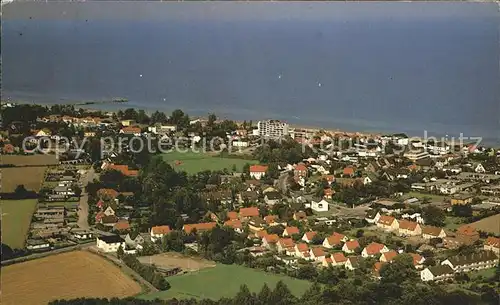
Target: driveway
x=83, y=206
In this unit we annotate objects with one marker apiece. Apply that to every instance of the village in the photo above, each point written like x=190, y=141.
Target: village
x=341, y=205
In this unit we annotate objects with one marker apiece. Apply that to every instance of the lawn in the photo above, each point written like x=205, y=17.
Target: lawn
x=193, y=163
x=485, y=273
x=452, y=223
x=224, y=281
x=432, y=197
x=16, y=219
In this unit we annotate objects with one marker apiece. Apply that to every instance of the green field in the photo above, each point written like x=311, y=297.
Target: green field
x=432, y=197
x=452, y=223
x=224, y=281
x=16, y=219
x=193, y=163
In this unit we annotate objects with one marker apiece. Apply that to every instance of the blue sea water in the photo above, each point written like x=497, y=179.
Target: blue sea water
x=369, y=66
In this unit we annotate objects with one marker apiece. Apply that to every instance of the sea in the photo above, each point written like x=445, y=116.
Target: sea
x=413, y=67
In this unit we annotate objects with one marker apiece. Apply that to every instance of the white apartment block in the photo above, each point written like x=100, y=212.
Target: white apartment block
x=272, y=128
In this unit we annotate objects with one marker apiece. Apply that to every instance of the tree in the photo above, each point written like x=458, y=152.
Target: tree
x=399, y=270
x=462, y=210
x=433, y=215
x=158, y=117
x=307, y=272
x=120, y=252
x=264, y=294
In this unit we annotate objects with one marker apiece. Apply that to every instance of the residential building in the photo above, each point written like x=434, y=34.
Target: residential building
x=336, y=239
x=236, y=224
x=300, y=216
x=387, y=257
x=372, y=216
x=374, y=249
x=110, y=243
x=289, y=231
x=272, y=129
x=338, y=259
x=269, y=241
x=286, y=245
x=461, y=199
x=157, y=232
x=416, y=155
x=309, y=236
x=130, y=130
x=302, y=250
x=317, y=254
x=430, y=232
x=388, y=223
x=272, y=198
x=258, y=171
x=436, y=273
x=350, y=246
x=467, y=234
x=300, y=170
x=474, y=261
x=409, y=228
x=352, y=262
x=492, y=244
x=321, y=206
x=247, y=213
x=199, y=227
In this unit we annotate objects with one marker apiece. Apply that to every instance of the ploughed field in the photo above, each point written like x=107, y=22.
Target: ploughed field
x=64, y=276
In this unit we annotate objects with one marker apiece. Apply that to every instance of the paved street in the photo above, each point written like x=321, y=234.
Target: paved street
x=83, y=207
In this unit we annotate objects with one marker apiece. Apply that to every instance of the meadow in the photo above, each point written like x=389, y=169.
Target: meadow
x=193, y=163
x=84, y=274
x=30, y=177
x=224, y=281
x=16, y=219
x=31, y=160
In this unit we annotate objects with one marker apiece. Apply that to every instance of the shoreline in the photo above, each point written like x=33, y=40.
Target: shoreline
x=109, y=105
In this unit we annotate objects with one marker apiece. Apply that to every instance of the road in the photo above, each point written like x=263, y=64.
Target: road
x=83, y=206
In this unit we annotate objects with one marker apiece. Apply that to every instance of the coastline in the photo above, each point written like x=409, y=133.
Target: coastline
x=111, y=106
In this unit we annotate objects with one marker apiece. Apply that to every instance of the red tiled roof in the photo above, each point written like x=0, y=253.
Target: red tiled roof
x=292, y=230
x=199, y=227
x=335, y=238
x=493, y=242
x=349, y=170
x=122, y=225
x=300, y=167
x=258, y=168
x=300, y=215
x=123, y=169
x=389, y=256
x=329, y=178
x=8, y=148
x=386, y=220
x=107, y=193
x=352, y=244
x=329, y=192
x=234, y=223
x=317, y=251
x=407, y=225
x=377, y=266
x=160, y=229
x=416, y=258
x=232, y=215
x=302, y=247
x=131, y=130
x=249, y=212
x=310, y=235
x=261, y=234
x=339, y=257
x=287, y=243
x=374, y=248
x=271, y=238
x=270, y=219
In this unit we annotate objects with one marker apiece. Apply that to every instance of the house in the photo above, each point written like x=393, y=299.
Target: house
x=63, y=190
x=300, y=170
x=467, y=234
x=430, y=232
x=81, y=234
x=302, y=250
x=37, y=245
x=334, y=240
x=387, y=257
x=374, y=249
x=479, y=168
x=436, y=273
x=110, y=243
x=232, y=215
x=376, y=269
x=289, y=231
x=272, y=198
x=409, y=228
x=109, y=211
x=130, y=130
x=247, y=213
x=109, y=221
x=328, y=193
x=317, y=254
x=492, y=244
x=121, y=225
x=42, y=133
x=256, y=224
x=309, y=236
x=461, y=199
x=269, y=241
x=372, y=216
x=199, y=227
x=224, y=197
x=286, y=245
x=134, y=240
x=348, y=171
x=337, y=259
x=329, y=178
x=388, y=223
x=258, y=171
x=235, y=224
x=127, y=122
x=352, y=262
x=473, y=261
x=418, y=260
x=272, y=220
x=107, y=194
x=122, y=168
x=350, y=246
x=300, y=216
x=321, y=206
x=157, y=232
x=8, y=149
x=249, y=196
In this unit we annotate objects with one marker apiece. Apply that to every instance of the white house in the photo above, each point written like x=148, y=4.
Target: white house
x=317, y=254
x=308, y=236
x=352, y=262
x=374, y=249
x=436, y=273
x=158, y=232
x=109, y=211
x=302, y=251
x=321, y=206
x=110, y=243
x=258, y=171
x=388, y=223
x=479, y=168
x=474, y=261
x=372, y=216
x=336, y=239
x=350, y=246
